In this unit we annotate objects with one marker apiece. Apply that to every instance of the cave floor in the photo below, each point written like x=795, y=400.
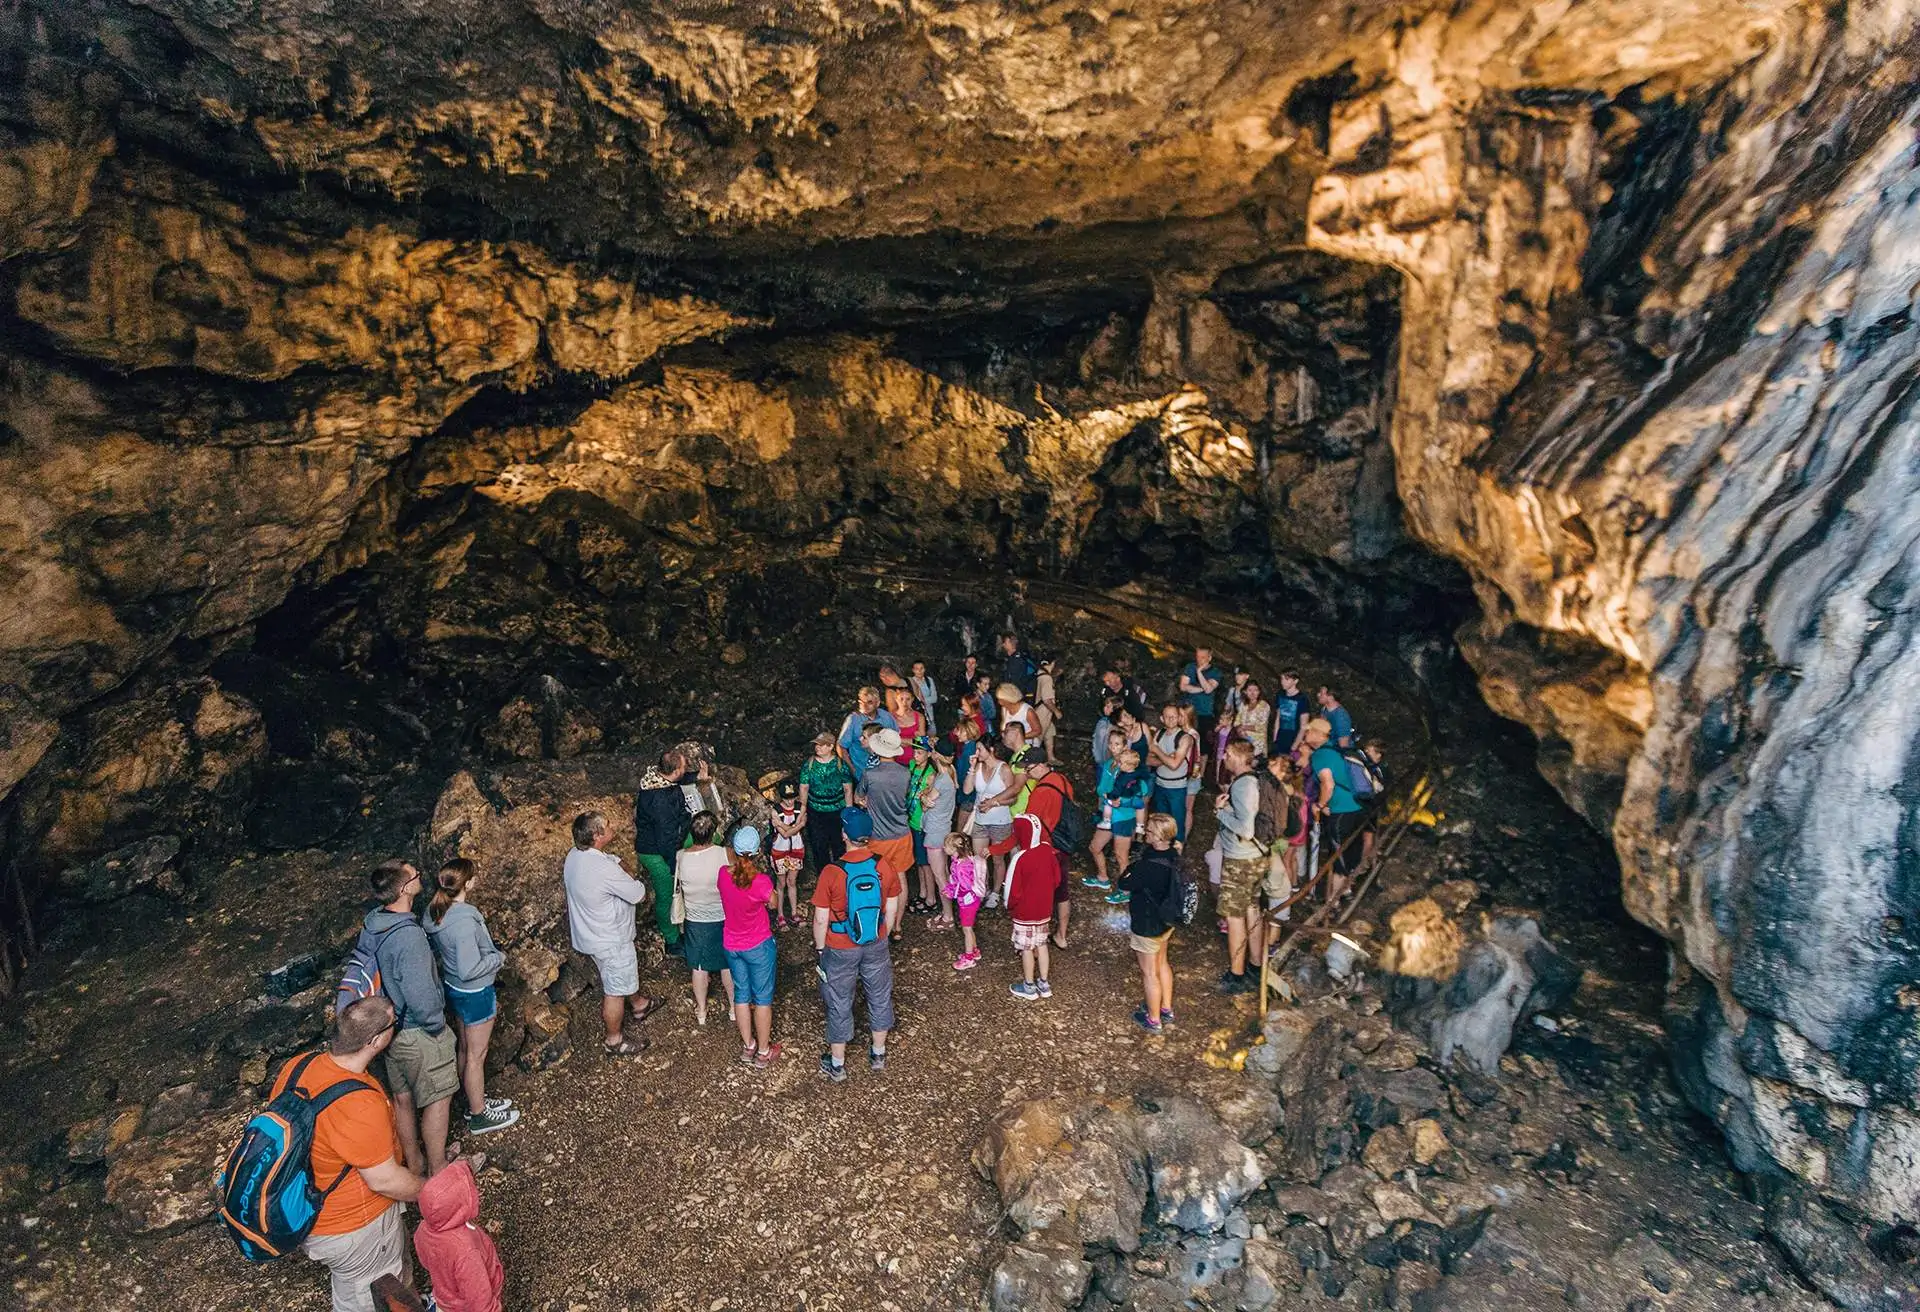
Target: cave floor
x=685, y=1181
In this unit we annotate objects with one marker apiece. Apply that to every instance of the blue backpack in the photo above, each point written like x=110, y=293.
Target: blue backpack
x=865, y=902
x=1363, y=776
x=268, y=1200
x=361, y=978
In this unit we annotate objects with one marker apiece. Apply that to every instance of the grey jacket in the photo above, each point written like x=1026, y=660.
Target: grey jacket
x=407, y=974
x=468, y=958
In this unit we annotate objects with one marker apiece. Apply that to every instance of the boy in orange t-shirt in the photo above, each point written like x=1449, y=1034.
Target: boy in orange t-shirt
x=844, y=963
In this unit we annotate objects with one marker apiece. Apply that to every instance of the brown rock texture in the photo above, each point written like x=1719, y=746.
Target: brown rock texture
x=1608, y=305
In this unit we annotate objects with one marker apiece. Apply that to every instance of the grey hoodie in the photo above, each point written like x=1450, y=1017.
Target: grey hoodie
x=468, y=958
x=407, y=973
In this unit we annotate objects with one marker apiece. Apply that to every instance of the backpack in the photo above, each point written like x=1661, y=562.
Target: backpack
x=1363, y=777
x=1183, y=898
x=1070, y=834
x=865, y=902
x=361, y=978
x=1270, y=821
x=268, y=1200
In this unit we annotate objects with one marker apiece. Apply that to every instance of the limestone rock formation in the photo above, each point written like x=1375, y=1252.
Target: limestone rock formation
x=1594, y=320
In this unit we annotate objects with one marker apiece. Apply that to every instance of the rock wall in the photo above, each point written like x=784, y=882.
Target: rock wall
x=1608, y=304
x=1655, y=391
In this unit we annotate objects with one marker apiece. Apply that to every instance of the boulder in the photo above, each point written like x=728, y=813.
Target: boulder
x=1319, y=1109
x=1031, y=1278
x=1077, y=1173
x=1200, y=1170
x=93, y=1141
x=1832, y=1256
x=1268, y=1272
x=145, y=866
x=547, y=720
x=1466, y=982
x=166, y=1183
x=1250, y=1109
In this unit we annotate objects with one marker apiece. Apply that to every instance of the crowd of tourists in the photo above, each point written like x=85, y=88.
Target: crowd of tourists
x=944, y=802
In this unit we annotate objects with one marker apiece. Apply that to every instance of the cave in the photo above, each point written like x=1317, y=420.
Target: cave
x=414, y=420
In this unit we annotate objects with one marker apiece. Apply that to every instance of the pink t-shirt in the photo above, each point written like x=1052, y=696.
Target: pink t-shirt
x=746, y=925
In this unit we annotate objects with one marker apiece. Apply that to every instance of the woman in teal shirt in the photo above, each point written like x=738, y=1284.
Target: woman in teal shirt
x=1340, y=810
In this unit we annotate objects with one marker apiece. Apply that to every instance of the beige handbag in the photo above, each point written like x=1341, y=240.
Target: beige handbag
x=677, y=909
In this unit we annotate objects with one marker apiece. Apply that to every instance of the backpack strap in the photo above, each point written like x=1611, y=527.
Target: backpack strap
x=399, y=1005
x=327, y=1098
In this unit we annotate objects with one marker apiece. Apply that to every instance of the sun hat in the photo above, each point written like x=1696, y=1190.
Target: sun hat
x=884, y=743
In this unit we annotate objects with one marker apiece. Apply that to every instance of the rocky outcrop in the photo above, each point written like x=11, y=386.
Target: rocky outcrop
x=1651, y=394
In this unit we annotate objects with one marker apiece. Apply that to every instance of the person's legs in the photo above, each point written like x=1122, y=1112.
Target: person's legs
x=763, y=1028
x=1256, y=935
x=473, y=1064
x=836, y=995
x=699, y=997
x=876, y=976
x=1061, y=910
x=1026, y=965
x=406, y=1124
x=1040, y=954
x=433, y=1129
x=660, y=877
x=1236, y=945
x=613, y=1013
x=1122, y=848
x=742, y=1013
x=1164, y=964
x=1149, y=981
x=358, y=1258
x=1097, y=849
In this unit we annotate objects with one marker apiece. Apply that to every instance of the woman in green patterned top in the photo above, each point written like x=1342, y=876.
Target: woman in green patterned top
x=826, y=789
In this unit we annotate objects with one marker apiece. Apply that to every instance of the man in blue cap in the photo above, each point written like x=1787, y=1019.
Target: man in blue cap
x=856, y=905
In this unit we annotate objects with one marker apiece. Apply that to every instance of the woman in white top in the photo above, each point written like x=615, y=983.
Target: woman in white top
x=697, y=872
x=991, y=781
x=1016, y=709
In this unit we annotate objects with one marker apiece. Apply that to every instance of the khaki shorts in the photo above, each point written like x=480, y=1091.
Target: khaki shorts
x=1240, y=881
x=359, y=1257
x=421, y=1065
x=1150, y=947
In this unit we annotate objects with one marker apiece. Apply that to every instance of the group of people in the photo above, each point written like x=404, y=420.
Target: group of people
x=896, y=819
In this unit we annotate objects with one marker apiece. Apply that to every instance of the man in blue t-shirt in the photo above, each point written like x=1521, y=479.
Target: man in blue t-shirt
x=1338, y=721
x=1339, y=811
x=853, y=750
x=1289, y=714
x=1199, y=683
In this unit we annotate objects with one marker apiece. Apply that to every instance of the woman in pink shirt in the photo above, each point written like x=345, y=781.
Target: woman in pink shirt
x=746, y=895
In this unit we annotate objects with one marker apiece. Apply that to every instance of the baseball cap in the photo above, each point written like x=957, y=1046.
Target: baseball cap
x=856, y=824
x=746, y=840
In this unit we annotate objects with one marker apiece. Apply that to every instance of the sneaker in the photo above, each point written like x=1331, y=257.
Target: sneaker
x=1046, y=989
x=1140, y=1019
x=1118, y=899
x=489, y=1121
x=876, y=1061
x=1231, y=983
x=498, y=1104
x=993, y=900
x=966, y=960
x=1166, y=1015
x=765, y=1059
x=1024, y=991
x=835, y=1072
x=1095, y=881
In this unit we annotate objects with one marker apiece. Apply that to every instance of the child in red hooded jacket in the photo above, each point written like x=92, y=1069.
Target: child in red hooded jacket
x=459, y=1256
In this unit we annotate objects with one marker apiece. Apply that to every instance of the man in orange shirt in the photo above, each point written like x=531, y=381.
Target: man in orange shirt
x=1051, y=791
x=358, y=1235
x=850, y=935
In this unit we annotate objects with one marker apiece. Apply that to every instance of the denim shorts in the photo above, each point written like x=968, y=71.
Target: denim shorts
x=753, y=972
x=472, y=1006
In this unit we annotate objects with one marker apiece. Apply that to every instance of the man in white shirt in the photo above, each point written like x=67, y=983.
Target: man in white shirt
x=601, y=896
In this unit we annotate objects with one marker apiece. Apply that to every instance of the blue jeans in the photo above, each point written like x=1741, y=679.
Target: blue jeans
x=1173, y=802
x=870, y=965
x=753, y=972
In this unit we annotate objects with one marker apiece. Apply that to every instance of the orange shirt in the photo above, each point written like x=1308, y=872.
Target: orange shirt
x=831, y=891
x=356, y=1131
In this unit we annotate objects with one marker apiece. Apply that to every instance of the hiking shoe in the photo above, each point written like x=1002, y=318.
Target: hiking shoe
x=762, y=1060
x=967, y=960
x=836, y=1073
x=1046, y=989
x=1118, y=899
x=489, y=1121
x=876, y=1061
x=1231, y=983
x=1024, y=991
x=1140, y=1019
x=1095, y=881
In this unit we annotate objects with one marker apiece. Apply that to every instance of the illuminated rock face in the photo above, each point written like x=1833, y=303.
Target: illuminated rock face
x=1598, y=314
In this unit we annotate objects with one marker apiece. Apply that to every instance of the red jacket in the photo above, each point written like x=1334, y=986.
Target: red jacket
x=460, y=1258
x=1035, y=873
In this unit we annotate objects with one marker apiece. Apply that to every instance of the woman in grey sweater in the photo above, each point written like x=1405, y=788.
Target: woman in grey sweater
x=468, y=964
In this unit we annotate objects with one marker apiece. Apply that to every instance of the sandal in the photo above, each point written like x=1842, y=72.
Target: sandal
x=641, y=1010
x=624, y=1048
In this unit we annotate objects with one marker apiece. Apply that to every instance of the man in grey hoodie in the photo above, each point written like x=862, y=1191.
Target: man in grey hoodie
x=420, y=1066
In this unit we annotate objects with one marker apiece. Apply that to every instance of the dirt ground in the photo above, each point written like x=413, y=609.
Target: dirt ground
x=683, y=1180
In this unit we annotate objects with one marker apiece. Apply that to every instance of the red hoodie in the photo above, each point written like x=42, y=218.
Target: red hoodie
x=459, y=1257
